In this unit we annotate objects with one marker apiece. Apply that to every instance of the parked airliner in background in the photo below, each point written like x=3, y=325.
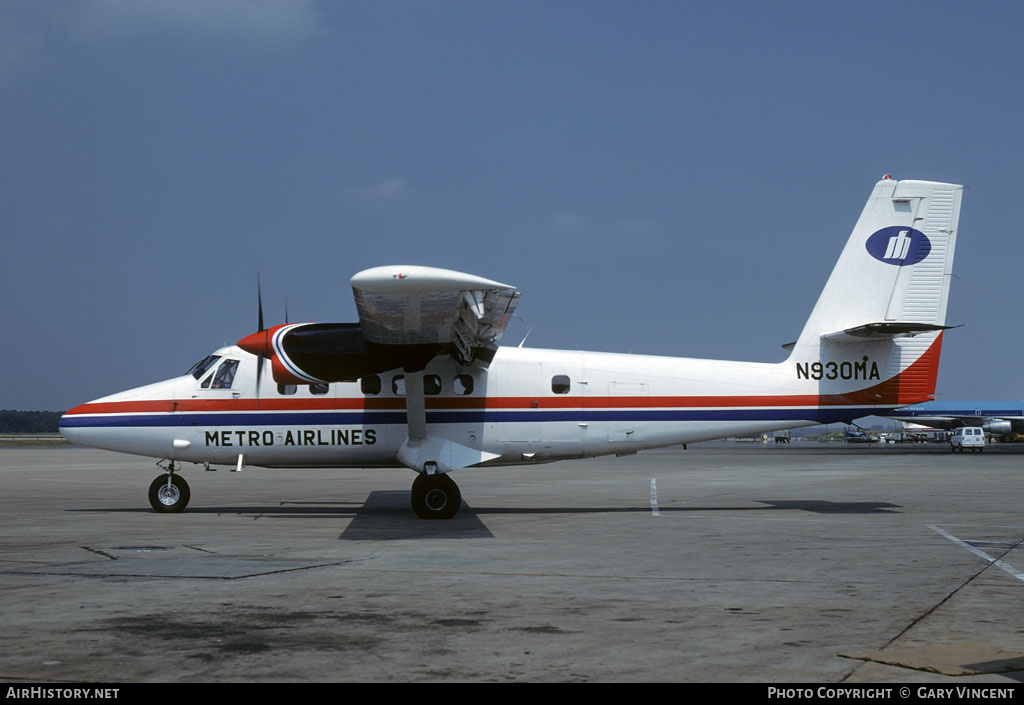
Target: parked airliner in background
x=996, y=417
x=420, y=382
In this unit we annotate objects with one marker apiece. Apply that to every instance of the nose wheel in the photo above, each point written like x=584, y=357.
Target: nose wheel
x=169, y=493
x=435, y=496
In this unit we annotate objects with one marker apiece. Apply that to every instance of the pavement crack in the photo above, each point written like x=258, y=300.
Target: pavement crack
x=935, y=607
x=203, y=550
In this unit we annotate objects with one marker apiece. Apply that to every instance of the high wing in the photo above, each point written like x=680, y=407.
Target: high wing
x=412, y=308
x=426, y=306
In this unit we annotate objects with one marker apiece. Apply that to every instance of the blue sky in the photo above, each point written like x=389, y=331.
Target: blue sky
x=672, y=178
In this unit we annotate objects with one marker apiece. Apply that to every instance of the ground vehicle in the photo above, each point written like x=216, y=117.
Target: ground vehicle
x=853, y=436
x=972, y=437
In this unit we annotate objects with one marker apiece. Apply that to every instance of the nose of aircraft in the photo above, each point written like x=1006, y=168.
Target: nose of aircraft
x=107, y=421
x=68, y=426
x=83, y=424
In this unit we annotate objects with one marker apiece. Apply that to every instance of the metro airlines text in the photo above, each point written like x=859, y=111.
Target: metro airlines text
x=299, y=437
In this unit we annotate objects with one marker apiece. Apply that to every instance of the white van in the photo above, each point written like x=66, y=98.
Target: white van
x=971, y=437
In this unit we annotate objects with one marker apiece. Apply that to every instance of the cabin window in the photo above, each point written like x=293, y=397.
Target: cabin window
x=224, y=378
x=560, y=384
x=287, y=389
x=398, y=385
x=370, y=385
x=199, y=369
x=463, y=384
x=319, y=388
x=431, y=384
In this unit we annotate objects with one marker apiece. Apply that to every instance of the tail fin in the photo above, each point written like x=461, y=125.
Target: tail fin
x=885, y=303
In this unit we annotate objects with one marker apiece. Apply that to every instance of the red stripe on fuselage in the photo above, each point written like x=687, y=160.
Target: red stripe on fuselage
x=914, y=385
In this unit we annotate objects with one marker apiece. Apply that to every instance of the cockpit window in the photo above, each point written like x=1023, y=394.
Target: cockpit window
x=199, y=369
x=225, y=375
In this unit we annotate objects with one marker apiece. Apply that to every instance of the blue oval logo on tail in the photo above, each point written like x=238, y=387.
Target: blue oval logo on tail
x=899, y=245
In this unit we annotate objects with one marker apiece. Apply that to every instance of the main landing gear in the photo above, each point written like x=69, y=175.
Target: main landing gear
x=435, y=496
x=169, y=493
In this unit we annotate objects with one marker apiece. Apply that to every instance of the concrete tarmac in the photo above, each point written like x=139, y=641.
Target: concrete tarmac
x=722, y=563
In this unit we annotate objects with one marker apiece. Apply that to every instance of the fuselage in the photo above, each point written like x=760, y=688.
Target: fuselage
x=529, y=405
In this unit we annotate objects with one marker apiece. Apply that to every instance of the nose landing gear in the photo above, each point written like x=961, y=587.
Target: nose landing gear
x=169, y=493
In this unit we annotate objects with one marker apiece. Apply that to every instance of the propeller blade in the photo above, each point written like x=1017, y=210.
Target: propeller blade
x=259, y=374
x=260, y=355
x=259, y=301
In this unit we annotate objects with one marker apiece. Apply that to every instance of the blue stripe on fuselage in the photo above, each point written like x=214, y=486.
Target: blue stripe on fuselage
x=368, y=418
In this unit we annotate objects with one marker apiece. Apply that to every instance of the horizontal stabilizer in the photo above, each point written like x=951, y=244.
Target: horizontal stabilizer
x=882, y=331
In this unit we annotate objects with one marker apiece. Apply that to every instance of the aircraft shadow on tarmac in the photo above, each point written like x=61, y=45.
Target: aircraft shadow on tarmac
x=386, y=515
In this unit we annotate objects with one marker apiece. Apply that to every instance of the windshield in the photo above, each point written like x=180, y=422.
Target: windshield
x=225, y=377
x=199, y=369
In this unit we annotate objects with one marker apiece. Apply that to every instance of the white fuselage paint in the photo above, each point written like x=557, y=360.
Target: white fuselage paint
x=615, y=403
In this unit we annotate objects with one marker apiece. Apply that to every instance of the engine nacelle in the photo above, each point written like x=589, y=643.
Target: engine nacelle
x=306, y=353
x=997, y=427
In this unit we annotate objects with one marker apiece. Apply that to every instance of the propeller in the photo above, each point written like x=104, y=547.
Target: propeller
x=258, y=343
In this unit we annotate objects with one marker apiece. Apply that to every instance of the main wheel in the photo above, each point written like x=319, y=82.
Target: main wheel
x=170, y=498
x=435, y=496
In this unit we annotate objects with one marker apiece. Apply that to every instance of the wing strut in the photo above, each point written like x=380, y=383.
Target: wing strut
x=427, y=453
x=415, y=405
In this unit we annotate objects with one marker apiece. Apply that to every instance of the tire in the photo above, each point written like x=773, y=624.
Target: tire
x=169, y=500
x=435, y=496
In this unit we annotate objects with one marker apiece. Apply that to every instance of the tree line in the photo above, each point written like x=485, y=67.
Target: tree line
x=29, y=421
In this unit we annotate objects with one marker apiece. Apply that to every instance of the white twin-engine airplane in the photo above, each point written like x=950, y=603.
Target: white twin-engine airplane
x=420, y=382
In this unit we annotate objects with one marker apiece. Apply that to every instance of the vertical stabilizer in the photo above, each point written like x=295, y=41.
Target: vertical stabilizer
x=885, y=302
